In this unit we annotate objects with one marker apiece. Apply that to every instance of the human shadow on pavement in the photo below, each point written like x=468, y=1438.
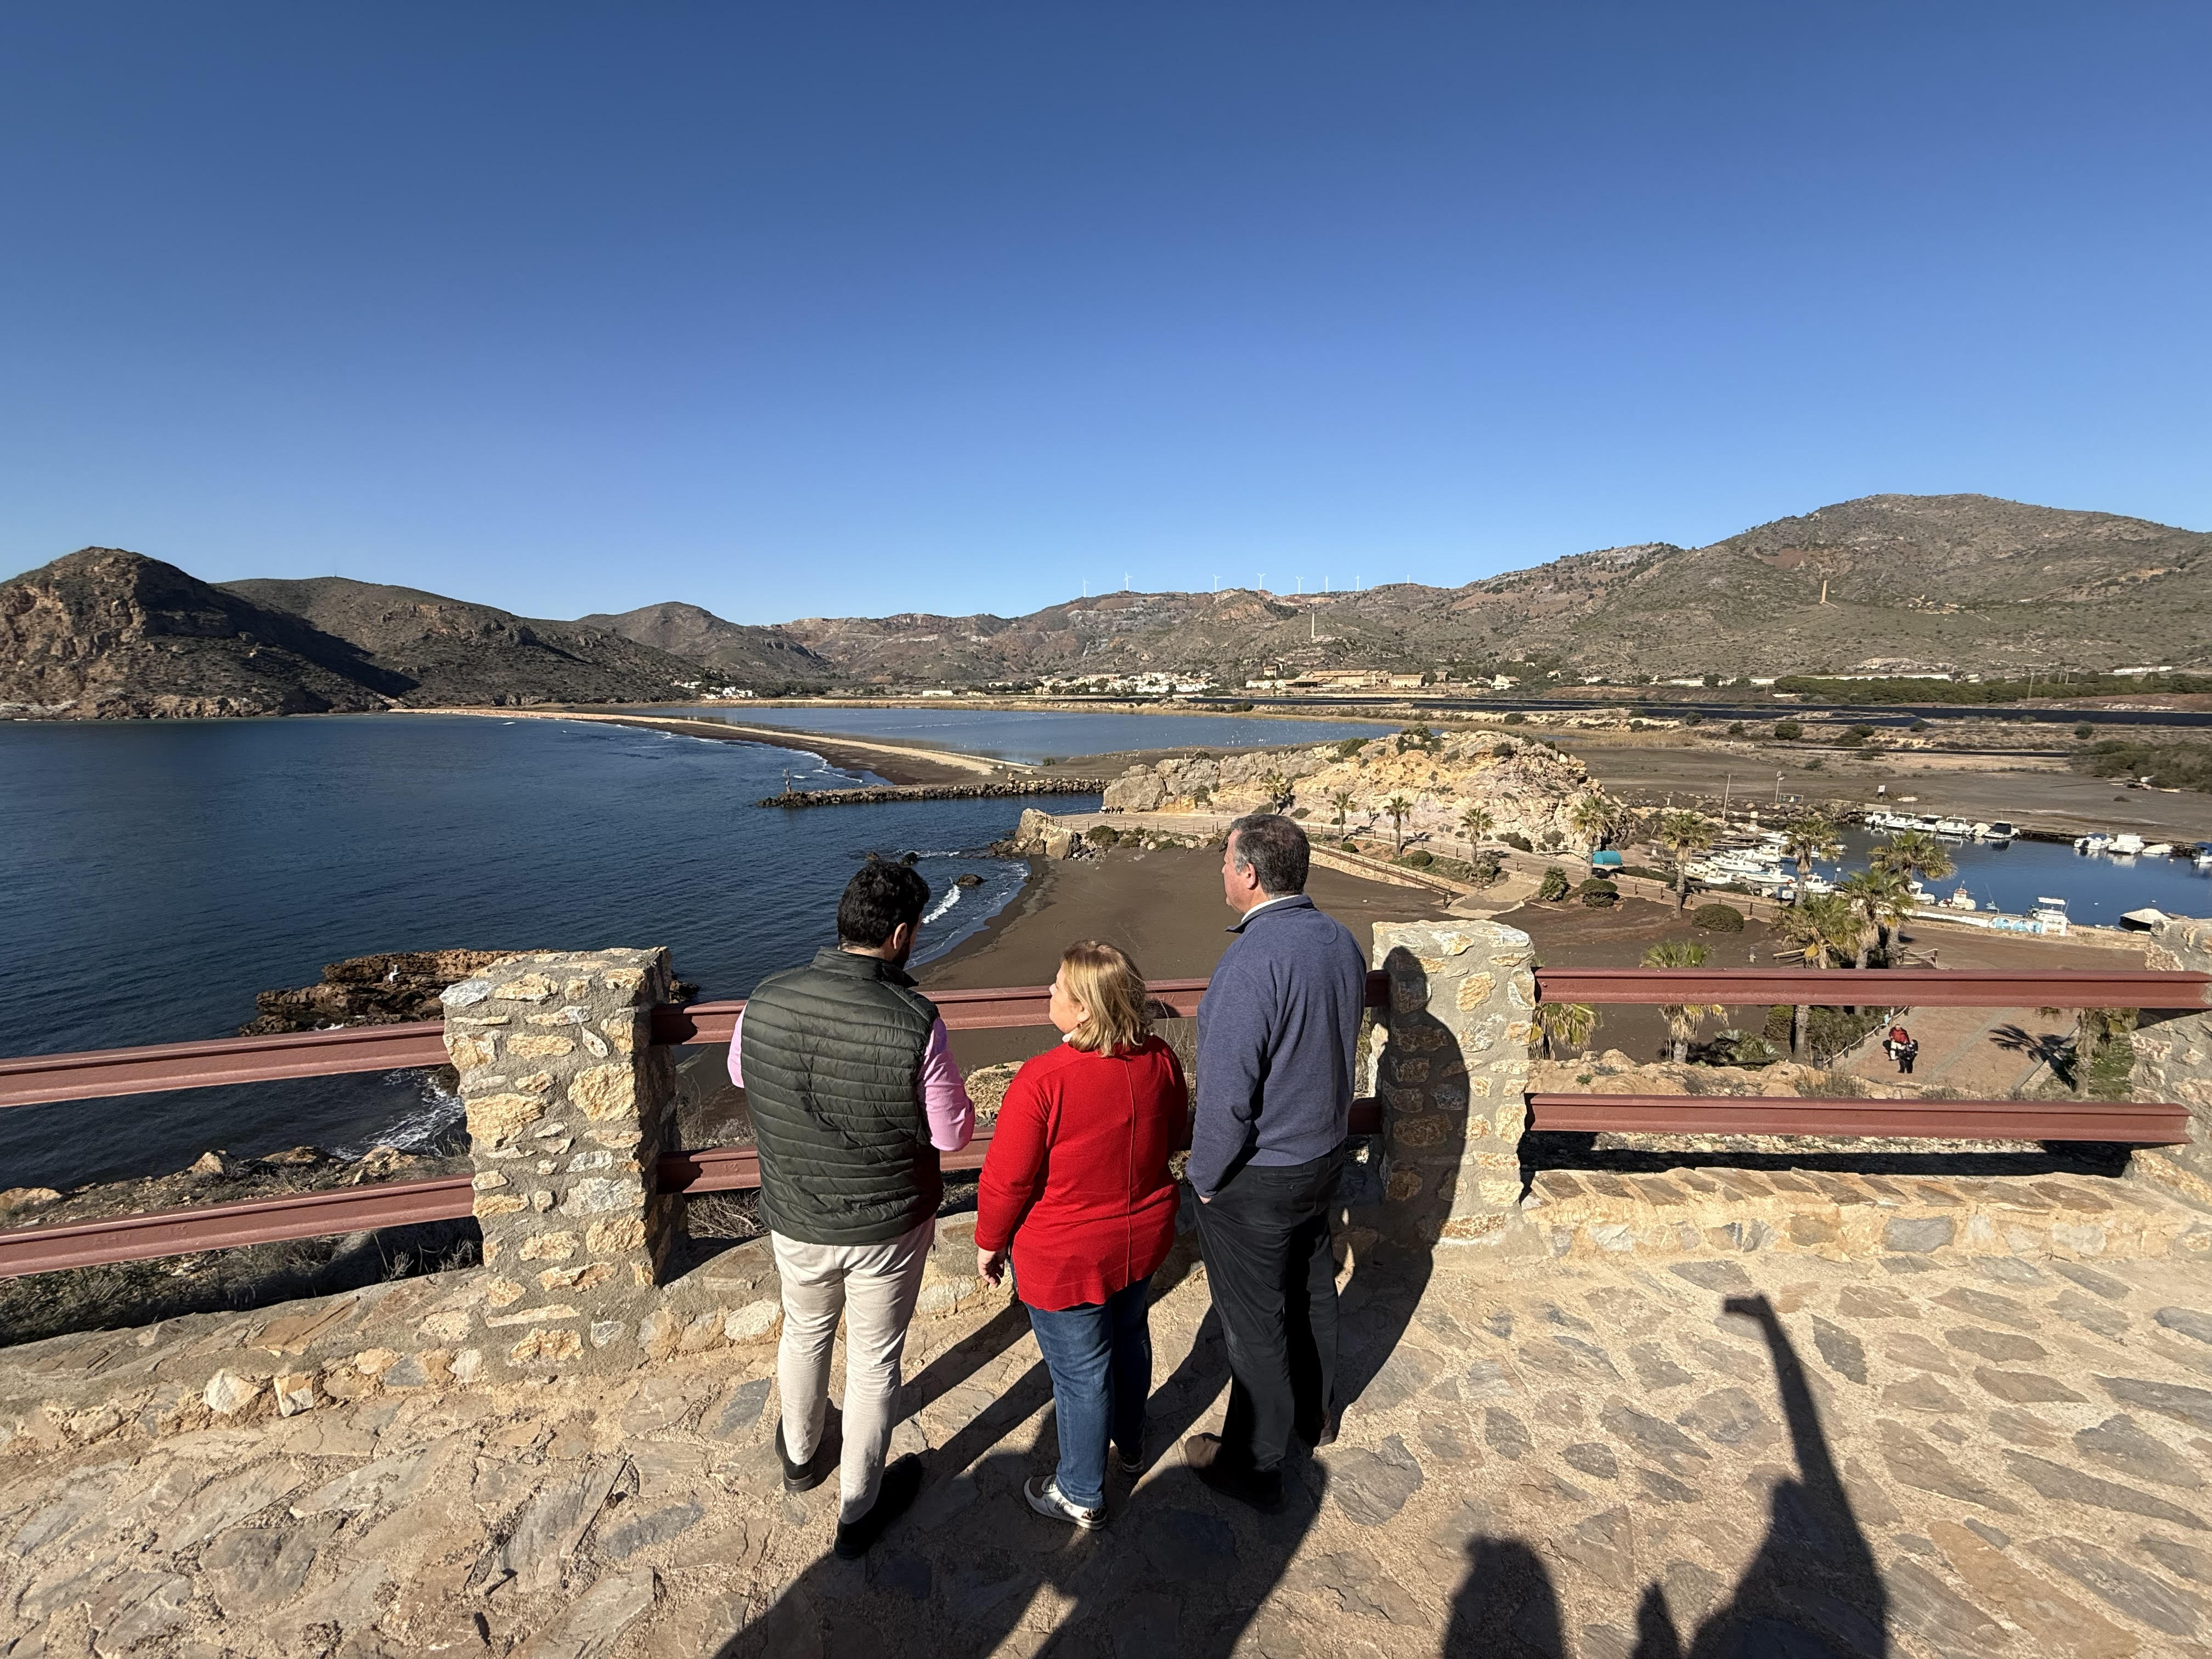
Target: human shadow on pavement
x=1812, y=1590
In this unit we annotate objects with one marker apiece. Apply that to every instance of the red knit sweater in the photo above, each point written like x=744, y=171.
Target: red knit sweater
x=1077, y=1176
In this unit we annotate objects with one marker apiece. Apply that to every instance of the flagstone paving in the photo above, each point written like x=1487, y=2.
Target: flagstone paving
x=1763, y=1454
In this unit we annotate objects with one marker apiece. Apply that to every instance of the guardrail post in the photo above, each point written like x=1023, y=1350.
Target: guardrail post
x=1453, y=1076
x=2173, y=1061
x=568, y=1100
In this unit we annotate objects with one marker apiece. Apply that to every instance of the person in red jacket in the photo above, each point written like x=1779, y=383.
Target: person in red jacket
x=1076, y=1186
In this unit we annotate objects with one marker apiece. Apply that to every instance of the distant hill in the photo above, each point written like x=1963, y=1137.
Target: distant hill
x=1964, y=581
x=450, y=651
x=744, y=655
x=1969, y=581
x=104, y=634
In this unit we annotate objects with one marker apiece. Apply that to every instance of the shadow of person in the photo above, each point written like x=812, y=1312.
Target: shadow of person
x=1391, y=1236
x=1814, y=1564
x=1506, y=1604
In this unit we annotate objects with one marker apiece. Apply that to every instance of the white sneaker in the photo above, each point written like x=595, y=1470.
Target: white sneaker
x=1044, y=1496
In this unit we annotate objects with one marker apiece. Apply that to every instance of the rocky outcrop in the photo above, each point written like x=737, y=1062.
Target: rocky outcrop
x=107, y=634
x=1528, y=787
x=389, y=988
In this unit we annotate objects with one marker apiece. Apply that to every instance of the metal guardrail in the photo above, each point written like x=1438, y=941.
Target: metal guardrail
x=41, y=1078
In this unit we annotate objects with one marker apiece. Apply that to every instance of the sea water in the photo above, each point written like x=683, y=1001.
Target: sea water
x=1018, y=735
x=158, y=873
x=2011, y=877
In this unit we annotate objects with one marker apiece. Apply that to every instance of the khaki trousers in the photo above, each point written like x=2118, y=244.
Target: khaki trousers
x=874, y=1287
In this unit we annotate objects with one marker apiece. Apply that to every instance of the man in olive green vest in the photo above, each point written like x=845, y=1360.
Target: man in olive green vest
x=849, y=1078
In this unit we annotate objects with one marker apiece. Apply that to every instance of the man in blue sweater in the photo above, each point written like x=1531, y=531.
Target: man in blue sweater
x=1276, y=1036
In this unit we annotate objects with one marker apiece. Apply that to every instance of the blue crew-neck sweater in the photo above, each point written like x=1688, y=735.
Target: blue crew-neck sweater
x=1276, y=1035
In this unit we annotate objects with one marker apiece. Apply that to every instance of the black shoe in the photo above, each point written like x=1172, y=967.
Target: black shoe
x=900, y=1485
x=1131, y=1461
x=1205, y=1454
x=802, y=1477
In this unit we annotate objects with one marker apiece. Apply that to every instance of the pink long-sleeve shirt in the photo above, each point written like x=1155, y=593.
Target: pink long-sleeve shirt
x=943, y=1094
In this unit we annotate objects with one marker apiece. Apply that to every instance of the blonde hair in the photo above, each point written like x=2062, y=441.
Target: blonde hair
x=1107, y=986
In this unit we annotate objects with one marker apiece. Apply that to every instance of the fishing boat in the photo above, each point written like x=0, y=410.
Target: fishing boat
x=2095, y=841
x=2051, y=913
x=1960, y=899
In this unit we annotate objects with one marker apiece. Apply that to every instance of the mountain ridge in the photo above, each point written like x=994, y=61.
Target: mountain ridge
x=1882, y=582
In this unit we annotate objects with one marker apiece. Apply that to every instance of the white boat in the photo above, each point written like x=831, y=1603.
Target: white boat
x=2204, y=857
x=1956, y=827
x=1817, y=884
x=2127, y=843
x=1997, y=830
x=2159, y=849
x=2095, y=841
x=1960, y=899
x=2051, y=913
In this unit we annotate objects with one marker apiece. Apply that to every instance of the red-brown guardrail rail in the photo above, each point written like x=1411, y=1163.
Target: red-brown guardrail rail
x=43, y=1079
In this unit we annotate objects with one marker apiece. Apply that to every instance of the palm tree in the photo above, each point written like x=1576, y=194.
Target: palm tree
x=1685, y=835
x=1806, y=839
x=1875, y=896
x=1683, y=1019
x=1399, y=809
x=1593, y=817
x=1477, y=822
x=1914, y=853
x=1340, y=799
x=1278, y=791
x=1564, y=1025
x=1815, y=928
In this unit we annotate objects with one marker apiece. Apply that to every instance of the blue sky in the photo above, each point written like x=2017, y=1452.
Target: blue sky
x=834, y=309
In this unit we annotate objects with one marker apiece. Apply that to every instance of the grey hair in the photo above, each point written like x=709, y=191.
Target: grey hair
x=1272, y=847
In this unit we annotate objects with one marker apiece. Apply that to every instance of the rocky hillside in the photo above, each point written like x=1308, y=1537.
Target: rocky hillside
x=1527, y=788
x=104, y=634
x=449, y=651
x=1966, y=581
x=745, y=656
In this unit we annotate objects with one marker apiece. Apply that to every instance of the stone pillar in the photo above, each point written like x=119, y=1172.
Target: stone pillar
x=1453, y=1075
x=2173, y=1061
x=568, y=1100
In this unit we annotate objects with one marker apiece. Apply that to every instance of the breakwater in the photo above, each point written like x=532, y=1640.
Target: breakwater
x=879, y=794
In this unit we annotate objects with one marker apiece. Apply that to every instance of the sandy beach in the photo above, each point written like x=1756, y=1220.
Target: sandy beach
x=1165, y=908
x=893, y=763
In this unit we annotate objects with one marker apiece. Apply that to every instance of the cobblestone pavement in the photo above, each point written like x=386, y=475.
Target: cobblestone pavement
x=1764, y=1454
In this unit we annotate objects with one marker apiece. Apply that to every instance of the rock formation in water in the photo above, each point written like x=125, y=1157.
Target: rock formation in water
x=389, y=988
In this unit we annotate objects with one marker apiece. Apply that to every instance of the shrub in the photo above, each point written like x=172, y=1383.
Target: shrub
x=1104, y=835
x=1717, y=919
x=1553, y=887
x=1516, y=718
x=1736, y=729
x=1049, y=759
x=1601, y=898
x=1788, y=731
x=1517, y=842
x=1485, y=869
x=1349, y=747
x=1815, y=763
x=1301, y=812
x=2084, y=731
x=1857, y=736
x=1419, y=858
x=1693, y=718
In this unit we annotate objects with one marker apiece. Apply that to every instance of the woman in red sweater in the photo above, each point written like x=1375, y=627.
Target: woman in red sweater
x=1076, y=1186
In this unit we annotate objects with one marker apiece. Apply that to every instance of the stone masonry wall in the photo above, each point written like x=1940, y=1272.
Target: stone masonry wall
x=1451, y=1075
x=568, y=1101
x=2173, y=1061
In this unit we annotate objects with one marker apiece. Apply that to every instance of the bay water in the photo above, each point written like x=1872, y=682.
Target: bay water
x=157, y=874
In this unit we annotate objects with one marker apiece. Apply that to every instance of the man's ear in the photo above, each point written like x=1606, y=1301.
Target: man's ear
x=902, y=937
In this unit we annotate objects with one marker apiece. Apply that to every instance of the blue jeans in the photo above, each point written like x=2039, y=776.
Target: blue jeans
x=1101, y=1359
